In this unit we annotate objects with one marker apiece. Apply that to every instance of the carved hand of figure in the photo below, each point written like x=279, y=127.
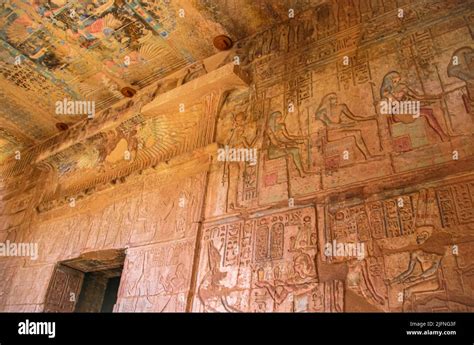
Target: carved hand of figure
x=262, y=284
x=412, y=279
x=347, y=125
x=279, y=282
x=398, y=279
x=370, y=118
x=467, y=271
x=299, y=140
x=389, y=281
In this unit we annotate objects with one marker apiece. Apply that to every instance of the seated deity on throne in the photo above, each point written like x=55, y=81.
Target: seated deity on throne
x=280, y=143
x=339, y=123
x=393, y=89
x=302, y=281
x=461, y=66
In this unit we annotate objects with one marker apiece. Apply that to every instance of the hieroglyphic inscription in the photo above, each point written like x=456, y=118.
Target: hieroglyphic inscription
x=377, y=219
x=456, y=204
x=244, y=263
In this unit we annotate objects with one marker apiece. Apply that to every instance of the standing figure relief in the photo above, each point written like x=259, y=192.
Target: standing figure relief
x=238, y=140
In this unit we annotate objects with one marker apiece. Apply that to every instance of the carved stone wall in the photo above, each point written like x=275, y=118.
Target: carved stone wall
x=155, y=218
x=395, y=190
x=264, y=264
x=344, y=208
x=314, y=111
x=429, y=226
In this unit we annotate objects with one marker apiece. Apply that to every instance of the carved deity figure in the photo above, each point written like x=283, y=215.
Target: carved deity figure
x=461, y=66
x=173, y=282
x=429, y=262
x=303, y=281
x=427, y=273
x=212, y=292
x=280, y=143
x=360, y=279
x=341, y=123
x=237, y=140
x=393, y=89
x=423, y=273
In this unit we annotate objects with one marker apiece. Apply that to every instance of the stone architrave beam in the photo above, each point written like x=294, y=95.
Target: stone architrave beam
x=223, y=79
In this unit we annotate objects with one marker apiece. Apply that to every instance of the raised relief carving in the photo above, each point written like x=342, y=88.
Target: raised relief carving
x=339, y=123
x=394, y=89
x=157, y=278
x=410, y=257
x=460, y=67
x=265, y=263
x=348, y=203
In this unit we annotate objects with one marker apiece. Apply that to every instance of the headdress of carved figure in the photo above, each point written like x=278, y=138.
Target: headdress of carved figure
x=275, y=119
x=214, y=264
x=304, y=266
x=390, y=81
x=423, y=233
x=326, y=102
x=462, y=69
x=239, y=118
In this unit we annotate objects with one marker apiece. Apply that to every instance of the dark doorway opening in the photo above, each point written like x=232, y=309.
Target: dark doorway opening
x=89, y=283
x=110, y=297
x=99, y=291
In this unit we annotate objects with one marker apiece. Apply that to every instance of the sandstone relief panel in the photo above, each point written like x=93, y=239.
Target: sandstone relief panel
x=264, y=264
x=168, y=211
x=393, y=251
x=157, y=278
x=407, y=251
x=321, y=114
x=165, y=212
x=322, y=165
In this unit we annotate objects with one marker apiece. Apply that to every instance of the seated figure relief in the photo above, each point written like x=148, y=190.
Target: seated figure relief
x=425, y=279
x=393, y=89
x=303, y=281
x=339, y=123
x=461, y=66
x=280, y=143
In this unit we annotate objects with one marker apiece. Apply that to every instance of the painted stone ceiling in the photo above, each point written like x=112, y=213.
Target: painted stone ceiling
x=91, y=49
